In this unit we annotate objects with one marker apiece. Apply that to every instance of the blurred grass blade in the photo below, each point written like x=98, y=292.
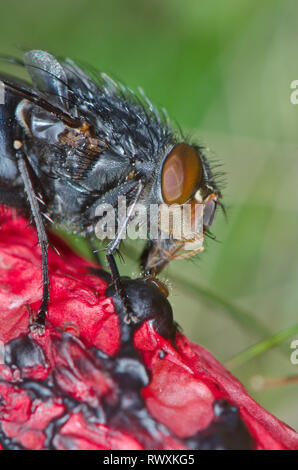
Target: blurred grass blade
x=262, y=347
x=244, y=318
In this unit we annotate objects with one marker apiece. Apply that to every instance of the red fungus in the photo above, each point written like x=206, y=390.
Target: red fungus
x=80, y=387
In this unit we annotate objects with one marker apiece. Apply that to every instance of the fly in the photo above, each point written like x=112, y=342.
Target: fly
x=69, y=143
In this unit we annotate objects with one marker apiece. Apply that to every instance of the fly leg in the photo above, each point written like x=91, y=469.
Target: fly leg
x=112, y=248
x=115, y=277
x=116, y=280
x=39, y=322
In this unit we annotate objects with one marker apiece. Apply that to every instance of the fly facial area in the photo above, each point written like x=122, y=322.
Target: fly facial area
x=188, y=222
x=182, y=230
x=189, y=205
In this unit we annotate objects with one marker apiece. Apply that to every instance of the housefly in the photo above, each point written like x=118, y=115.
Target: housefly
x=69, y=143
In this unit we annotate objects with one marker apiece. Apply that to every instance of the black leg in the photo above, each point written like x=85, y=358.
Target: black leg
x=116, y=279
x=39, y=323
x=112, y=247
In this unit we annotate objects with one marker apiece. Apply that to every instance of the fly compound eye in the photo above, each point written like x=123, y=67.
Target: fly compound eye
x=181, y=174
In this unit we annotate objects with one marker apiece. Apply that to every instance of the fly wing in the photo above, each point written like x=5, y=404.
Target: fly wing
x=48, y=76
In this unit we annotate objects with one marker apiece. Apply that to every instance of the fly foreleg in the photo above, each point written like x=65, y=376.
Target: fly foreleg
x=39, y=322
x=111, y=249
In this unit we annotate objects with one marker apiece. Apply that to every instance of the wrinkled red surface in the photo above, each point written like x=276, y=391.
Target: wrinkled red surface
x=184, y=383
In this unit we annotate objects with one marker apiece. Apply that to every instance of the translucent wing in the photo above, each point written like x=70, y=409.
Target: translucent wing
x=48, y=75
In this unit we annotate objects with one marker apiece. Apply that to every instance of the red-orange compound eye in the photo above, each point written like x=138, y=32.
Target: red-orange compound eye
x=181, y=174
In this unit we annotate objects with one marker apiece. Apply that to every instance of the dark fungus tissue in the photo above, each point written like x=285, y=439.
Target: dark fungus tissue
x=93, y=380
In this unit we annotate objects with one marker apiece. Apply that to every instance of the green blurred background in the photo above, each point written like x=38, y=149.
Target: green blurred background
x=223, y=70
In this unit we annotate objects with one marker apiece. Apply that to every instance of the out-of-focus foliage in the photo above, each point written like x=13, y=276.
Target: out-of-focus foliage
x=223, y=70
